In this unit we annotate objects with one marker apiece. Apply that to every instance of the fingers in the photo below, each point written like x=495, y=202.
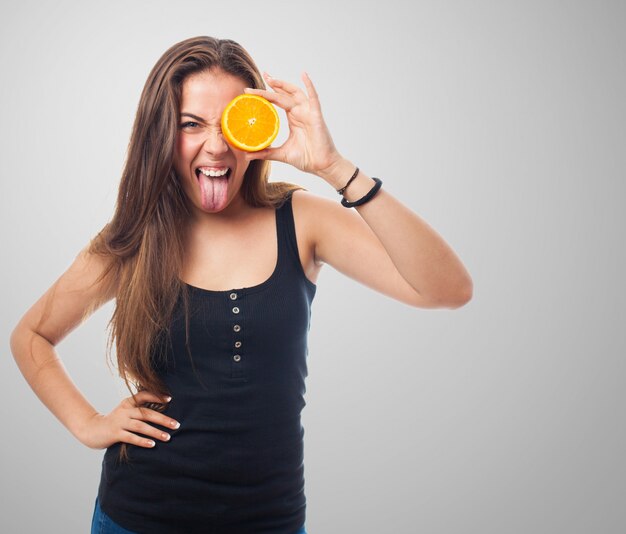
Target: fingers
x=138, y=414
x=272, y=154
x=140, y=427
x=282, y=100
x=285, y=94
x=147, y=396
x=281, y=85
x=310, y=88
x=134, y=439
x=152, y=415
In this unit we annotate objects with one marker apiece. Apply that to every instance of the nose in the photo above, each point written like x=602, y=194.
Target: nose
x=215, y=143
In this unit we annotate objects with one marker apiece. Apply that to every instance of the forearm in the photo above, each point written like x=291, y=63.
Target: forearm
x=421, y=256
x=44, y=371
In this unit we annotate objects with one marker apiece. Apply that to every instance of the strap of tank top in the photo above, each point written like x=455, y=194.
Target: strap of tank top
x=288, y=230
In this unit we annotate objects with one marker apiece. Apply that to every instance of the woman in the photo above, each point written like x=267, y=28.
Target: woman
x=214, y=269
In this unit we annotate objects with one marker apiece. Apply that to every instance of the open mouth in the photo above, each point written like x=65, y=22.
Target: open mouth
x=224, y=172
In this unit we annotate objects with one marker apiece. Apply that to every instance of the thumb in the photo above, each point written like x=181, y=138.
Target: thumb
x=273, y=154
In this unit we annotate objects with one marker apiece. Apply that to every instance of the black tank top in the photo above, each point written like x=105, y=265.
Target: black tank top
x=235, y=465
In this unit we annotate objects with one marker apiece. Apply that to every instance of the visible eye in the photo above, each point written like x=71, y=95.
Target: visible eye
x=188, y=124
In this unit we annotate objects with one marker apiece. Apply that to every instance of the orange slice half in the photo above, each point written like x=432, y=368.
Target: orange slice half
x=250, y=122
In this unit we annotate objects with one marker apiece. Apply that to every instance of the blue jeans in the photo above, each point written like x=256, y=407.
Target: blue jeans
x=103, y=524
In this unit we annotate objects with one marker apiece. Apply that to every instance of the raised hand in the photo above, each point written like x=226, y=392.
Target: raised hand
x=126, y=422
x=309, y=146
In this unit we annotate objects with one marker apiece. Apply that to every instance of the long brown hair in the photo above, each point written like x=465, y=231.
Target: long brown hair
x=144, y=240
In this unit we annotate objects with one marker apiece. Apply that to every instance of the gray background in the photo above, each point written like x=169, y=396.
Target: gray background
x=502, y=124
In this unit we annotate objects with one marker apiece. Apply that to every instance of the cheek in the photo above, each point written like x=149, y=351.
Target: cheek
x=185, y=152
x=241, y=159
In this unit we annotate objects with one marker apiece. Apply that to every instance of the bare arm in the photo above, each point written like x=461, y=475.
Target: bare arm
x=61, y=309
x=70, y=300
x=417, y=252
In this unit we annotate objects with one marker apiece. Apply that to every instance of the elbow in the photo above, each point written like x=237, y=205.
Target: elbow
x=14, y=340
x=454, y=300
x=459, y=303
x=463, y=296
x=20, y=340
x=17, y=341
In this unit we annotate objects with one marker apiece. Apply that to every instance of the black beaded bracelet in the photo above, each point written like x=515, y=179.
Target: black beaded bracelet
x=340, y=191
x=366, y=198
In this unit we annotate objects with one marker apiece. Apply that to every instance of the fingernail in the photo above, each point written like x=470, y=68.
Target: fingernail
x=267, y=75
x=168, y=399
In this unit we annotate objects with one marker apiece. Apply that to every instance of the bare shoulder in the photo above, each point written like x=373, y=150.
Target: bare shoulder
x=304, y=209
x=322, y=217
x=319, y=215
x=305, y=206
x=75, y=295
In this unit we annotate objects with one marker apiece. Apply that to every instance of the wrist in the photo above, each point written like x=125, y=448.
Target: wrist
x=337, y=174
x=81, y=428
x=359, y=187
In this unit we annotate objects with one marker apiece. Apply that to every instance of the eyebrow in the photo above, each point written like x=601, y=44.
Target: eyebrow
x=193, y=116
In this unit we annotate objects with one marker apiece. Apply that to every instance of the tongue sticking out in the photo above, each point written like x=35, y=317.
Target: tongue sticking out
x=214, y=191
